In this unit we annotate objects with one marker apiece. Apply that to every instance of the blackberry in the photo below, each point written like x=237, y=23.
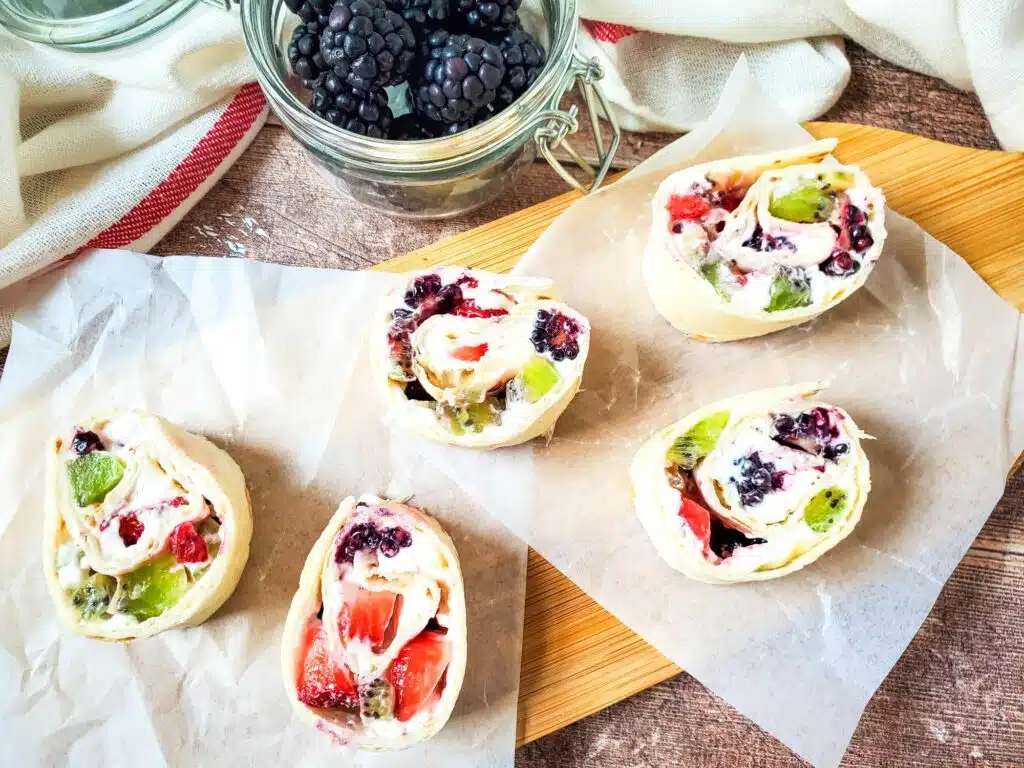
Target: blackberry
x=759, y=241
x=460, y=75
x=428, y=14
x=362, y=537
x=839, y=264
x=362, y=112
x=725, y=540
x=410, y=127
x=367, y=45
x=757, y=478
x=430, y=297
x=304, y=52
x=393, y=539
x=556, y=333
x=813, y=431
x=86, y=442
x=488, y=15
x=311, y=10
x=524, y=59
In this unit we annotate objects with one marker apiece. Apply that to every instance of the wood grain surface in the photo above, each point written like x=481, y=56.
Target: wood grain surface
x=957, y=696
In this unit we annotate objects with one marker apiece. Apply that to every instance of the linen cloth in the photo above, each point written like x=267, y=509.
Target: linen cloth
x=110, y=150
x=666, y=61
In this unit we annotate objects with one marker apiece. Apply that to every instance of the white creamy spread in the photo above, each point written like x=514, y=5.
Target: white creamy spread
x=458, y=360
x=146, y=493
x=804, y=248
x=779, y=515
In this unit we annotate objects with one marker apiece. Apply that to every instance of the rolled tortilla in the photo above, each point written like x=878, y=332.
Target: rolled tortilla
x=752, y=487
x=146, y=526
x=374, y=647
x=750, y=245
x=478, y=360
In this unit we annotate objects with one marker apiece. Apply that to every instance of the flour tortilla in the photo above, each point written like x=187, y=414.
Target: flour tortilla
x=657, y=503
x=195, y=463
x=344, y=728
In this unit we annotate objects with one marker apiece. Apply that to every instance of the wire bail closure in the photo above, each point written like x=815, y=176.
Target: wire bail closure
x=557, y=124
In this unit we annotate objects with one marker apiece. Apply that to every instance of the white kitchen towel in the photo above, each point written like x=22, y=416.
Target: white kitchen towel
x=110, y=150
x=666, y=61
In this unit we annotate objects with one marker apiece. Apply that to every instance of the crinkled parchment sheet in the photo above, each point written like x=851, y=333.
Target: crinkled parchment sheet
x=925, y=359
x=269, y=362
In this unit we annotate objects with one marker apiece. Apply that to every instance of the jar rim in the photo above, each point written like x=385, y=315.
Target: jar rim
x=114, y=28
x=505, y=129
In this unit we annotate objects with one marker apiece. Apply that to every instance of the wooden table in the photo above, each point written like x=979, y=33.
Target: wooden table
x=956, y=698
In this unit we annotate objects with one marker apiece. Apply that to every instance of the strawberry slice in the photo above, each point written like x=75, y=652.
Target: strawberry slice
x=470, y=354
x=322, y=683
x=688, y=208
x=699, y=520
x=417, y=672
x=368, y=615
x=187, y=545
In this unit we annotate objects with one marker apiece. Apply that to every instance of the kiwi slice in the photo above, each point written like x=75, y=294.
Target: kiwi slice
x=825, y=508
x=808, y=204
x=698, y=441
x=92, y=596
x=537, y=378
x=153, y=588
x=788, y=291
x=93, y=476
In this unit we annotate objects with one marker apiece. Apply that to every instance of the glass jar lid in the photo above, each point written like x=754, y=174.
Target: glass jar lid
x=92, y=25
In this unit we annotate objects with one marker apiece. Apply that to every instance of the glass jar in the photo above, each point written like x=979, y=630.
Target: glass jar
x=93, y=25
x=438, y=178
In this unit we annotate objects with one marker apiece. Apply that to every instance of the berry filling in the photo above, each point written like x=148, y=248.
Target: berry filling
x=367, y=537
x=468, y=308
x=815, y=431
x=757, y=478
x=557, y=334
x=718, y=540
x=839, y=264
x=85, y=442
x=187, y=545
x=418, y=673
x=322, y=683
x=759, y=241
x=130, y=529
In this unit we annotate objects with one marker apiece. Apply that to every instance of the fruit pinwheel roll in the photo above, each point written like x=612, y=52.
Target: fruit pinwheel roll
x=750, y=245
x=374, y=646
x=146, y=526
x=753, y=487
x=479, y=360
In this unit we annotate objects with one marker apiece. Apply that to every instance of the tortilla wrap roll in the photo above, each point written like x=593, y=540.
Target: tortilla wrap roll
x=146, y=526
x=750, y=245
x=476, y=359
x=374, y=647
x=753, y=487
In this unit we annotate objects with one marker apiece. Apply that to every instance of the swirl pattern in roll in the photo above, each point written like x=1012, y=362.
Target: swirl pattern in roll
x=753, y=487
x=750, y=245
x=476, y=359
x=374, y=646
x=146, y=526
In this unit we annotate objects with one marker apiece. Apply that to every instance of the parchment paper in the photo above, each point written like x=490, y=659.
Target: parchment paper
x=269, y=362
x=924, y=358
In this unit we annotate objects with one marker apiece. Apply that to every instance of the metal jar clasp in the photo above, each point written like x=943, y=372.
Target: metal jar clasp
x=556, y=124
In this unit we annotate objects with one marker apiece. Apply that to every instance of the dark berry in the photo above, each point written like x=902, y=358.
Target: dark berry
x=362, y=537
x=422, y=287
x=487, y=15
x=757, y=478
x=759, y=241
x=411, y=127
x=362, y=112
x=311, y=10
x=427, y=14
x=415, y=391
x=393, y=539
x=835, y=450
x=86, y=442
x=860, y=238
x=813, y=431
x=304, y=52
x=839, y=264
x=556, y=333
x=524, y=59
x=367, y=45
x=725, y=540
x=430, y=297
x=460, y=75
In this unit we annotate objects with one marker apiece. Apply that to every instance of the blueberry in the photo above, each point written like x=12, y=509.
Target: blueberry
x=86, y=442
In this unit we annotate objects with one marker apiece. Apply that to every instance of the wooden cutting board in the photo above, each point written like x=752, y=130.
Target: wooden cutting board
x=577, y=658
